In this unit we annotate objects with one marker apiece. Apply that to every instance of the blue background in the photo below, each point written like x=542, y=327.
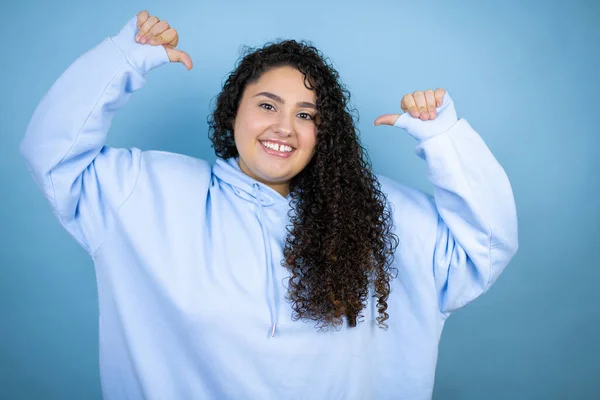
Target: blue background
x=523, y=73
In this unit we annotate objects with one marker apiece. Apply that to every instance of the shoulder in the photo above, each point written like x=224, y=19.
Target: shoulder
x=174, y=168
x=400, y=195
x=411, y=209
x=164, y=160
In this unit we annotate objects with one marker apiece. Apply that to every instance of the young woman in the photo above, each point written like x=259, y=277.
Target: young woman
x=287, y=270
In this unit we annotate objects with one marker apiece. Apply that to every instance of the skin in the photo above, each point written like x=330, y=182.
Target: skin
x=276, y=107
x=155, y=32
x=287, y=118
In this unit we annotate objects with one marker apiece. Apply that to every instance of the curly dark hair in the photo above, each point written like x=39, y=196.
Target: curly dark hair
x=341, y=239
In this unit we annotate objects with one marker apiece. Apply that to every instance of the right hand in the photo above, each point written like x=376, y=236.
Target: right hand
x=154, y=32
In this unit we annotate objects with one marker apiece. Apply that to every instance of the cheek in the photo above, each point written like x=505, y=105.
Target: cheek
x=249, y=125
x=308, y=139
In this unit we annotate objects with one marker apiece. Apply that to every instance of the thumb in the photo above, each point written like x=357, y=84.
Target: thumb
x=386, y=119
x=179, y=56
x=405, y=120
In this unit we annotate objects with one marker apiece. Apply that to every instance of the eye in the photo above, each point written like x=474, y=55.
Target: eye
x=267, y=106
x=306, y=116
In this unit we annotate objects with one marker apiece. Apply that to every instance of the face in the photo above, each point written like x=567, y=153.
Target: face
x=275, y=128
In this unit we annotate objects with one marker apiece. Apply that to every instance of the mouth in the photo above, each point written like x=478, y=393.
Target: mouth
x=277, y=150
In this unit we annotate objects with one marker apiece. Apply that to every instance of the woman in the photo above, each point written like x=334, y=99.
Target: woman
x=287, y=269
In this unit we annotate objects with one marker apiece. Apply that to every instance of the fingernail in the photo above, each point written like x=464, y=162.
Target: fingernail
x=152, y=41
x=143, y=40
x=137, y=37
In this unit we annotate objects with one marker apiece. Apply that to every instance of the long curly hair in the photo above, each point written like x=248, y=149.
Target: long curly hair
x=341, y=237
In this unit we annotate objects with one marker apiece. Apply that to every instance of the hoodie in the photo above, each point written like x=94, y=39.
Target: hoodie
x=188, y=255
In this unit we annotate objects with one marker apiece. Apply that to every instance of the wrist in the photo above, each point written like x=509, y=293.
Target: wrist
x=142, y=57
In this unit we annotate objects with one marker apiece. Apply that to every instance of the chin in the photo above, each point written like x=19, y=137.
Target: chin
x=268, y=169
x=272, y=176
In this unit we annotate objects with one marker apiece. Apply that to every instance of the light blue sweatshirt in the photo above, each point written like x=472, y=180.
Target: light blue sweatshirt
x=188, y=255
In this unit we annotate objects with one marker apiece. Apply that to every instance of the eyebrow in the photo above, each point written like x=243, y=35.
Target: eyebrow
x=278, y=99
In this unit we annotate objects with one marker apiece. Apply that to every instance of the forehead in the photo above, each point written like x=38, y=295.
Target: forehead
x=285, y=82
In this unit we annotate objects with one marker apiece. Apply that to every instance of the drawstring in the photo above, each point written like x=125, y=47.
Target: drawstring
x=229, y=172
x=271, y=277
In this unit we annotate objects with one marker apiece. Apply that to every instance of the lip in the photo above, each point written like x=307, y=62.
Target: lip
x=278, y=142
x=274, y=152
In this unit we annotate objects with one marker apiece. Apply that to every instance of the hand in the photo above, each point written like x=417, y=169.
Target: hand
x=427, y=114
x=419, y=104
x=155, y=32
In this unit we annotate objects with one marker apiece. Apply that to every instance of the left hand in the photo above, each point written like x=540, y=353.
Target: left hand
x=427, y=114
x=419, y=104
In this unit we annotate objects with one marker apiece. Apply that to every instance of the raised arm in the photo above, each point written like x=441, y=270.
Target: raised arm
x=473, y=207
x=85, y=181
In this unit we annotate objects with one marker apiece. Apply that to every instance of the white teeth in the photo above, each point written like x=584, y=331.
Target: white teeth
x=282, y=148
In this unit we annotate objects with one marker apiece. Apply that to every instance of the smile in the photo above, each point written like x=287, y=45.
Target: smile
x=275, y=149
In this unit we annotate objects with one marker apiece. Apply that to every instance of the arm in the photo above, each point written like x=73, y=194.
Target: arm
x=476, y=233
x=477, y=227
x=85, y=181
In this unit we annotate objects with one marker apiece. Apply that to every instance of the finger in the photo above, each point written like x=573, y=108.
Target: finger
x=173, y=43
x=167, y=37
x=419, y=97
x=430, y=99
x=150, y=22
x=179, y=56
x=157, y=30
x=408, y=104
x=386, y=119
x=142, y=17
x=439, y=96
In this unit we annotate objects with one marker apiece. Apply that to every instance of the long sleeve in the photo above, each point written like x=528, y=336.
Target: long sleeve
x=85, y=181
x=477, y=221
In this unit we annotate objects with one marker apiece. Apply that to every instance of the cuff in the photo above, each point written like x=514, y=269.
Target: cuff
x=424, y=130
x=459, y=126
x=143, y=57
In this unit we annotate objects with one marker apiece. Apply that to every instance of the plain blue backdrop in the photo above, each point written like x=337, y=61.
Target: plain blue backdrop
x=523, y=73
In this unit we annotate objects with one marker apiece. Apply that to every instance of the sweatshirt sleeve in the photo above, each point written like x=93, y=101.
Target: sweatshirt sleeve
x=476, y=233
x=64, y=147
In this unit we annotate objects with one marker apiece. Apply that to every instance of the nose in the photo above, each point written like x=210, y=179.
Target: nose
x=284, y=127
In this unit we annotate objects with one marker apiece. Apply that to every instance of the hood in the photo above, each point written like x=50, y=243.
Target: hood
x=246, y=187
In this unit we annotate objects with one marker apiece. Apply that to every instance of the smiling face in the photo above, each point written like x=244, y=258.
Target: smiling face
x=275, y=128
